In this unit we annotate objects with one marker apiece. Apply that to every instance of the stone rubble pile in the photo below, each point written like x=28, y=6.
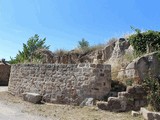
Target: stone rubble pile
x=132, y=99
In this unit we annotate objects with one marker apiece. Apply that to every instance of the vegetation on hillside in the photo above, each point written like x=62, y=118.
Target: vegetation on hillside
x=145, y=42
x=152, y=87
x=142, y=42
x=28, y=53
x=84, y=47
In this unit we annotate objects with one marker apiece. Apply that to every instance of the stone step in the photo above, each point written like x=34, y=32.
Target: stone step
x=102, y=105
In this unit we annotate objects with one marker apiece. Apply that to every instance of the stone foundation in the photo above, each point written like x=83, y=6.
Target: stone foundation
x=59, y=83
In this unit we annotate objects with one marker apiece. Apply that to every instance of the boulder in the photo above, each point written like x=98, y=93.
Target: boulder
x=141, y=68
x=32, y=97
x=119, y=50
x=107, y=51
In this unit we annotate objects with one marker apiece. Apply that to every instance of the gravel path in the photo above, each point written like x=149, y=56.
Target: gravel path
x=14, y=112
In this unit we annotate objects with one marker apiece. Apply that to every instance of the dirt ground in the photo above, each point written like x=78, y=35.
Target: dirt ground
x=14, y=108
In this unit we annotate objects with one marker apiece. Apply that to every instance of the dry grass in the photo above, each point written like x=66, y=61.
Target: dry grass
x=64, y=112
x=111, y=41
x=89, y=49
x=61, y=52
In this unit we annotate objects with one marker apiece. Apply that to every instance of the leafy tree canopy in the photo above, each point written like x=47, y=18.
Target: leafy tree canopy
x=28, y=54
x=147, y=41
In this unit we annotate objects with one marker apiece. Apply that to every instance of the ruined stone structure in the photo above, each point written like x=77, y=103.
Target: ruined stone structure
x=60, y=83
x=132, y=99
x=142, y=68
x=4, y=74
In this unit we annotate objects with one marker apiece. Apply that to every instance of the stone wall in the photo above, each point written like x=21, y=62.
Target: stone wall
x=4, y=74
x=59, y=83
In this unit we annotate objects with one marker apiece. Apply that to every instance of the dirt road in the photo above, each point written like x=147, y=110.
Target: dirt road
x=14, y=108
x=13, y=112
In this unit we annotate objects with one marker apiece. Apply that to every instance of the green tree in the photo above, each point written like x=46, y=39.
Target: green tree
x=83, y=44
x=28, y=54
x=148, y=41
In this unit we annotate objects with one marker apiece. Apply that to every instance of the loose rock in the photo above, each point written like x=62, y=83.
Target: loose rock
x=32, y=97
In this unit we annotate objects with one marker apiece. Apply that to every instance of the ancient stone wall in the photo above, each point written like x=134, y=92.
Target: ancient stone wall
x=4, y=74
x=60, y=83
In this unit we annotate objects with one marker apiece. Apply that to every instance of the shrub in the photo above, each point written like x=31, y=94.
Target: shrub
x=83, y=44
x=143, y=42
x=152, y=87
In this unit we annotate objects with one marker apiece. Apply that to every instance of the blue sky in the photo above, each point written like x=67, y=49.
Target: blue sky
x=65, y=22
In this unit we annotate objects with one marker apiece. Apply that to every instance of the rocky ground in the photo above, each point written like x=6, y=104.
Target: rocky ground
x=13, y=108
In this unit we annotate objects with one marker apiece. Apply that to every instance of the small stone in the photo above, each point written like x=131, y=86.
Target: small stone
x=135, y=114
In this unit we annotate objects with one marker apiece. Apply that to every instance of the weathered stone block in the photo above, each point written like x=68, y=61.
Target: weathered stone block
x=32, y=97
x=102, y=105
x=115, y=104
